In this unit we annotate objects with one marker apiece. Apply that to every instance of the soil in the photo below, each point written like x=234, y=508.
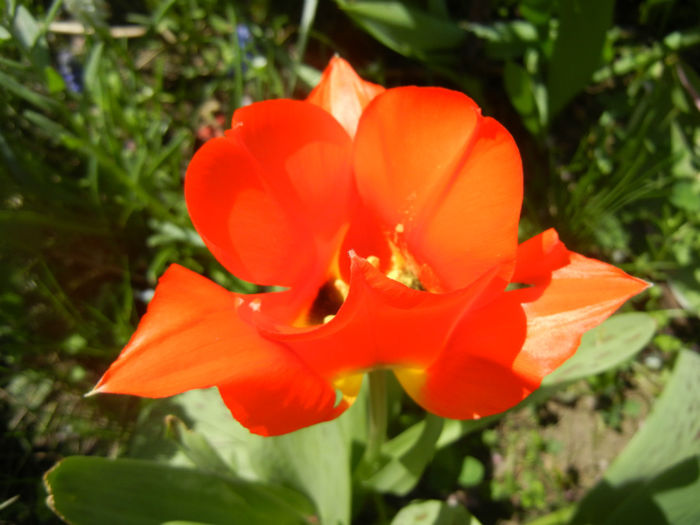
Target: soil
x=552, y=455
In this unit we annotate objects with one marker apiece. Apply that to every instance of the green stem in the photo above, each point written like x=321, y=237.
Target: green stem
x=376, y=434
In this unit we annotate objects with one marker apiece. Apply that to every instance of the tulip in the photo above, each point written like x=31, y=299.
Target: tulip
x=390, y=220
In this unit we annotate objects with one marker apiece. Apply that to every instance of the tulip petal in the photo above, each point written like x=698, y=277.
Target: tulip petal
x=538, y=257
x=445, y=181
x=382, y=324
x=271, y=199
x=580, y=296
x=343, y=94
x=192, y=337
x=473, y=377
x=499, y=354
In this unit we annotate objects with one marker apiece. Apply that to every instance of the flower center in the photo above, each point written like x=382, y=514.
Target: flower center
x=328, y=301
x=405, y=277
x=403, y=269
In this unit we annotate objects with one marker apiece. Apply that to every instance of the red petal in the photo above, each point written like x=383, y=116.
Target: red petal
x=473, y=376
x=271, y=199
x=445, y=179
x=192, y=337
x=539, y=256
x=343, y=94
x=280, y=396
x=499, y=354
x=382, y=324
x=580, y=296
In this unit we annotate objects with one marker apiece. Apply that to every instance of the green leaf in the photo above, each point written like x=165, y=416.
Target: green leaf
x=685, y=286
x=505, y=40
x=455, y=430
x=91, y=73
x=407, y=30
x=670, y=497
x=307, y=74
x=658, y=470
x=54, y=81
x=89, y=490
x=536, y=11
x=31, y=37
x=521, y=89
x=196, y=447
x=293, y=460
x=10, y=84
x=605, y=347
x=558, y=517
x=433, y=512
x=26, y=28
x=686, y=195
x=583, y=25
x=472, y=472
x=406, y=457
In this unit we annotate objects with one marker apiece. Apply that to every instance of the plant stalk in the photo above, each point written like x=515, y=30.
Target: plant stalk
x=376, y=434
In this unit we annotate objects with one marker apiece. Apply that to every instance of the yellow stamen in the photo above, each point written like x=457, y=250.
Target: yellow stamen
x=342, y=287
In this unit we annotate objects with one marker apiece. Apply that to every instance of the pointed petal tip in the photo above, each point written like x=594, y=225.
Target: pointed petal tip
x=97, y=389
x=642, y=285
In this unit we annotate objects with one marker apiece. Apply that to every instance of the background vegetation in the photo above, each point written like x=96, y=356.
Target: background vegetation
x=103, y=103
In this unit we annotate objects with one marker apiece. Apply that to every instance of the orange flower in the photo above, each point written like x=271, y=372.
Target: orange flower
x=391, y=219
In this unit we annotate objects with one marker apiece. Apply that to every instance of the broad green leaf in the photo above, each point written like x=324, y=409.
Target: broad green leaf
x=658, y=469
x=314, y=460
x=433, y=512
x=521, y=89
x=407, y=30
x=605, y=347
x=578, y=48
x=670, y=497
x=405, y=458
x=452, y=430
x=455, y=430
x=196, y=447
x=90, y=490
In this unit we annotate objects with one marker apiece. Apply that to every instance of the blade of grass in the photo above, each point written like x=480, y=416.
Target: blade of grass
x=307, y=19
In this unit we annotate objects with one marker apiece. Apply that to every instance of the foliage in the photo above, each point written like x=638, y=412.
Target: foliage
x=96, y=130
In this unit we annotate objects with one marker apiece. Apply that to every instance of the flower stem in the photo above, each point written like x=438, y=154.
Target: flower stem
x=376, y=433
